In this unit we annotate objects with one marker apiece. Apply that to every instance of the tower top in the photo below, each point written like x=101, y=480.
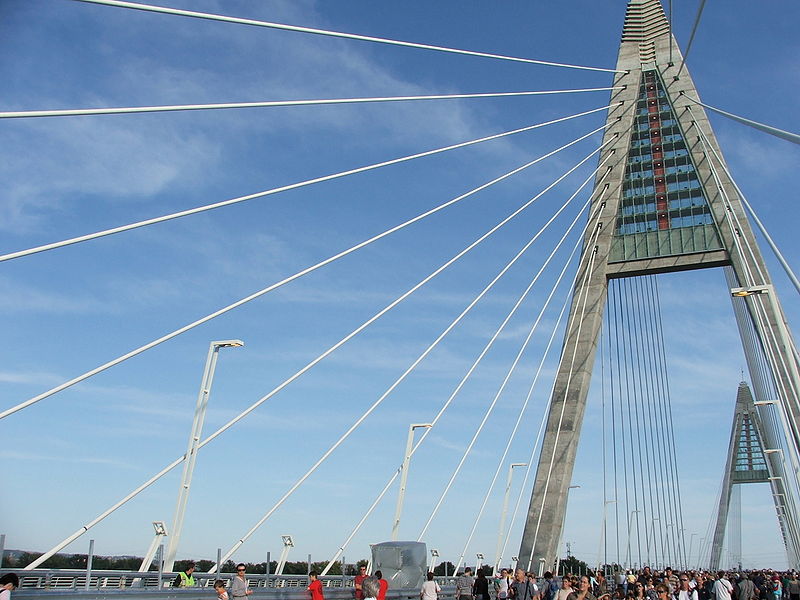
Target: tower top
x=644, y=21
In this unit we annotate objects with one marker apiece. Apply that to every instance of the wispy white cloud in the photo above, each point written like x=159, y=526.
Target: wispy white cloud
x=38, y=377
x=65, y=458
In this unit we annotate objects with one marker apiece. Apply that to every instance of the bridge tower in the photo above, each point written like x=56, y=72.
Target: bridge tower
x=667, y=203
x=747, y=463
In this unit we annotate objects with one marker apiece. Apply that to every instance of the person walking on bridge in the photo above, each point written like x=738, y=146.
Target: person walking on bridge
x=684, y=591
x=723, y=589
x=430, y=589
x=584, y=591
x=464, y=585
x=521, y=588
x=315, y=586
x=239, y=588
x=372, y=588
x=185, y=578
x=747, y=589
x=792, y=587
x=549, y=587
x=480, y=589
x=566, y=589
x=359, y=581
x=383, y=585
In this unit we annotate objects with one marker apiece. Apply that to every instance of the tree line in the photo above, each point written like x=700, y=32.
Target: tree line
x=18, y=560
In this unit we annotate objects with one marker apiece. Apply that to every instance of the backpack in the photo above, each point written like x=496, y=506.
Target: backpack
x=550, y=591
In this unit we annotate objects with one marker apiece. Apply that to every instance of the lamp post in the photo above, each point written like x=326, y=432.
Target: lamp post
x=404, y=476
x=194, y=442
x=434, y=556
x=787, y=432
x=788, y=348
x=691, y=543
x=288, y=543
x=563, y=521
x=654, y=540
x=161, y=532
x=478, y=562
x=501, y=530
x=603, y=547
x=670, y=556
x=681, y=547
x=628, y=543
x=700, y=551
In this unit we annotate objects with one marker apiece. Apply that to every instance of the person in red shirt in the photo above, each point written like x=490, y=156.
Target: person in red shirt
x=384, y=585
x=315, y=586
x=362, y=575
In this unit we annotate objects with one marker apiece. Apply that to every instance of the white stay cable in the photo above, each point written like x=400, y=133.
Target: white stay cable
x=277, y=190
x=775, y=250
x=780, y=133
x=250, y=409
x=326, y=32
x=405, y=373
x=259, y=293
x=592, y=248
x=525, y=403
x=732, y=220
x=760, y=314
x=691, y=36
x=514, y=364
x=450, y=399
x=549, y=397
x=542, y=422
x=74, y=112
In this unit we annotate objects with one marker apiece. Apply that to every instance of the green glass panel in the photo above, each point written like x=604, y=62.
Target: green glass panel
x=663, y=210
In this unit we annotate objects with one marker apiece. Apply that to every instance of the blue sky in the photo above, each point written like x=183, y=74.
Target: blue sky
x=70, y=456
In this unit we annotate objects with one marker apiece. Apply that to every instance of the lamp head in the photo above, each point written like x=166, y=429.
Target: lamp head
x=228, y=343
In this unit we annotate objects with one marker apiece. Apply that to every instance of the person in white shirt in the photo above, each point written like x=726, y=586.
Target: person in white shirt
x=722, y=587
x=501, y=585
x=685, y=590
x=430, y=589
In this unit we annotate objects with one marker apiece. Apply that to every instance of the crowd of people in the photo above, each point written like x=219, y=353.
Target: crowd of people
x=630, y=585
x=517, y=584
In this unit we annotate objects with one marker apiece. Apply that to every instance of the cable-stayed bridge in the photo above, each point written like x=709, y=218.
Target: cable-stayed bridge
x=367, y=301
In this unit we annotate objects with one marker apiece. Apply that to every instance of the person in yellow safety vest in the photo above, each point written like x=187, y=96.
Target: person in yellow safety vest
x=185, y=578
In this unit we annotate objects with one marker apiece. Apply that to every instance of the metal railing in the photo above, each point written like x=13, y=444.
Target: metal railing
x=102, y=584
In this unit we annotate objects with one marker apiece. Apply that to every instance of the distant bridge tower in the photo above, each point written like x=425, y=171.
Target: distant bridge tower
x=666, y=204
x=747, y=463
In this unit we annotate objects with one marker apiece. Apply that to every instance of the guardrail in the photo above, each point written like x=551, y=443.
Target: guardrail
x=146, y=585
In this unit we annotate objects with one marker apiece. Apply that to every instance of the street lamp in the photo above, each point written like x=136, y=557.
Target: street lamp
x=479, y=561
x=501, y=530
x=288, y=543
x=785, y=339
x=161, y=532
x=194, y=443
x=603, y=546
x=404, y=475
x=654, y=540
x=700, y=550
x=691, y=542
x=563, y=521
x=434, y=555
x=628, y=553
x=681, y=547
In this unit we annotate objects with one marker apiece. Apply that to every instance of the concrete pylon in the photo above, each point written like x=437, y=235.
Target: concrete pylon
x=749, y=461
x=666, y=204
